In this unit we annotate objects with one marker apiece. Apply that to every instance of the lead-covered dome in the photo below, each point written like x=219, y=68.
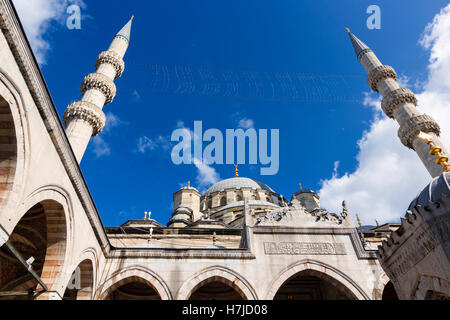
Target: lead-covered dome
x=438, y=187
x=237, y=183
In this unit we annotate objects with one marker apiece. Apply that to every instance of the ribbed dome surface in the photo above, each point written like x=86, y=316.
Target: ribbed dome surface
x=237, y=183
x=438, y=187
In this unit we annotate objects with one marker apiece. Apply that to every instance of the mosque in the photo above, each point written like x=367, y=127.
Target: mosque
x=239, y=240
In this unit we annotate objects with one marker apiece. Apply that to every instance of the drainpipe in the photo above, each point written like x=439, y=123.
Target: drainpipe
x=4, y=236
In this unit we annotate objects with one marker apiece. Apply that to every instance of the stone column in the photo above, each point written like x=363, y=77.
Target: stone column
x=85, y=119
x=401, y=104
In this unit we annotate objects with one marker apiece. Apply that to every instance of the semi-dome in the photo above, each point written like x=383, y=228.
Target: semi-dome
x=237, y=183
x=433, y=192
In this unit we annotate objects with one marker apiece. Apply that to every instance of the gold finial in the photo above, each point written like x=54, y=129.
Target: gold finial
x=145, y=217
x=441, y=160
x=189, y=184
x=236, y=171
x=132, y=17
x=359, y=221
x=348, y=30
x=301, y=188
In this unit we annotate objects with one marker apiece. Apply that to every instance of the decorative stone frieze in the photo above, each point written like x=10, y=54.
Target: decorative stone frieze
x=86, y=111
x=378, y=74
x=363, y=52
x=100, y=82
x=113, y=59
x=397, y=98
x=411, y=129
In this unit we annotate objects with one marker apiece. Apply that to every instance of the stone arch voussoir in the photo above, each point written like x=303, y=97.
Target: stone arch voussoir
x=331, y=273
x=123, y=276
x=217, y=273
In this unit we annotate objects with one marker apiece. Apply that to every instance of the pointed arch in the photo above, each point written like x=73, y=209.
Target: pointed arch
x=319, y=268
x=14, y=144
x=134, y=273
x=220, y=274
x=85, y=272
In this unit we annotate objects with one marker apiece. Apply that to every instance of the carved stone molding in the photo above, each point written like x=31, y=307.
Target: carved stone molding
x=396, y=98
x=411, y=129
x=378, y=74
x=113, y=59
x=88, y=112
x=26, y=62
x=100, y=82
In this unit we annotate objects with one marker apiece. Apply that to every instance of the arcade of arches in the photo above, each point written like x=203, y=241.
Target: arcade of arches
x=41, y=234
x=313, y=285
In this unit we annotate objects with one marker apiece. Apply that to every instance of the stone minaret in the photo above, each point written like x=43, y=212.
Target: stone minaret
x=85, y=119
x=417, y=131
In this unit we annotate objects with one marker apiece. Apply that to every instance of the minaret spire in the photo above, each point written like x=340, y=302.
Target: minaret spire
x=401, y=104
x=85, y=118
x=359, y=46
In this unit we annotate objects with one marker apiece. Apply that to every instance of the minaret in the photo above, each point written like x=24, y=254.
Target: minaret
x=417, y=131
x=85, y=119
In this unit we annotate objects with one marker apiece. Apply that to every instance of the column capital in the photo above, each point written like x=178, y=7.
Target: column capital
x=378, y=74
x=396, y=98
x=100, y=82
x=411, y=129
x=88, y=112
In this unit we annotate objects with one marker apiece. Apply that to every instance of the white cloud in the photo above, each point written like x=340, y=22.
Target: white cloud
x=389, y=175
x=112, y=121
x=246, y=123
x=37, y=16
x=206, y=175
x=100, y=147
x=145, y=143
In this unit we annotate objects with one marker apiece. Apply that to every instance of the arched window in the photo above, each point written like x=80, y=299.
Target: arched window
x=238, y=197
x=223, y=201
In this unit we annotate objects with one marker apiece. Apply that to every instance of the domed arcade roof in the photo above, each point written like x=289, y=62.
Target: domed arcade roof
x=237, y=183
x=438, y=187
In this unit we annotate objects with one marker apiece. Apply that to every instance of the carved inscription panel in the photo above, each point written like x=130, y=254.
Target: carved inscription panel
x=299, y=248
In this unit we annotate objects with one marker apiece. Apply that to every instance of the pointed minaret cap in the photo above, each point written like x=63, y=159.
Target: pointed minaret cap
x=126, y=30
x=359, y=46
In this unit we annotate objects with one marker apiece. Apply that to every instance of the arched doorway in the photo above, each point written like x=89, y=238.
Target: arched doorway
x=41, y=234
x=132, y=288
x=8, y=151
x=220, y=282
x=216, y=289
x=313, y=285
x=389, y=292
x=80, y=286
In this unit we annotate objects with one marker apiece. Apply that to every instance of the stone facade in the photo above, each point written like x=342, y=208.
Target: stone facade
x=416, y=255
x=240, y=239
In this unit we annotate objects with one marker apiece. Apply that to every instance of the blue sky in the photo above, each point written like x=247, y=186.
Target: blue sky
x=263, y=39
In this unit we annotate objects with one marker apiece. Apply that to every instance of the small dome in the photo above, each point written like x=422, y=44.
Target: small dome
x=438, y=187
x=237, y=183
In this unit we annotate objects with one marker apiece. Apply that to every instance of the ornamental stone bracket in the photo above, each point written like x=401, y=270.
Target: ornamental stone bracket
x=297, y=215
x=113, y=59
x=411, y=129
x=422, y=230
x=397, y=98
x=100, y=82
x=378, y=74
x=88, y=112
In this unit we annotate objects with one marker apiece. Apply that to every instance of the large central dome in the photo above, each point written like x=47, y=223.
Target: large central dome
x=237, y=183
